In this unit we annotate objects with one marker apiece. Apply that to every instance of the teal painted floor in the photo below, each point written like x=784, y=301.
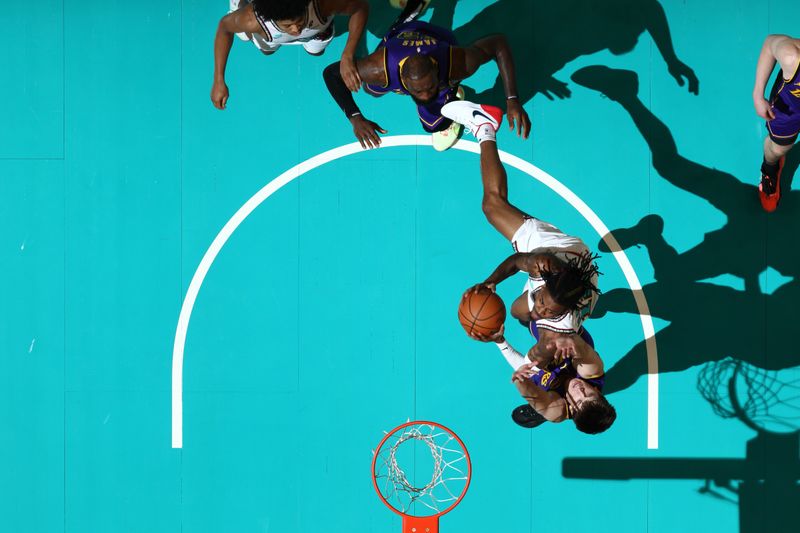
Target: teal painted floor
x=329, y=316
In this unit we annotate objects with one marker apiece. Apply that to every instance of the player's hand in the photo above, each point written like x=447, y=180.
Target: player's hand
x=524, y=373
x=563, y=346
x=518, y=117
x=680, y=70
x=479, y=287
x=763, y=109
x=219, y=94
x=366, y=132
x=495, y=337
x=349, y=72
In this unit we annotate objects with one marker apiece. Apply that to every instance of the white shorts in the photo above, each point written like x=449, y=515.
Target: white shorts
x=536, y=235
x=312, y=45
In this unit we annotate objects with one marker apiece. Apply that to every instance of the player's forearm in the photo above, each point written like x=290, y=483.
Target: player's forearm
x=766, y=62
x=222, y=48
x=506, y=269
x=339, y=91
x=355, y=28
x=541, y=352
x=505, y=64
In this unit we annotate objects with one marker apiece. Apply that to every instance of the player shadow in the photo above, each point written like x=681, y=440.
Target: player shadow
x=546, y=35
x=764, y=485
x=708, y=321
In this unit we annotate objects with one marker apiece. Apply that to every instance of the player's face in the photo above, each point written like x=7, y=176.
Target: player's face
x=293, y=26
x=544, y=306
x=424, y=90
x=578, y=392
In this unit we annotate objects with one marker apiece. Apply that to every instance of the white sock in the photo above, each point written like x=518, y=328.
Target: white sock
x=485, y=133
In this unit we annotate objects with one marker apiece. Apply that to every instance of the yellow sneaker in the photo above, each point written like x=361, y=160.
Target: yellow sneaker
x=442, y=140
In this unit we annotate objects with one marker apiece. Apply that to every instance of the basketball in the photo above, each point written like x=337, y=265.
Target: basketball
x=482, y=312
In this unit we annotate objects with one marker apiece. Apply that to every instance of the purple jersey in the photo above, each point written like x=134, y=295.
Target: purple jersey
x=556, y=376
x=785, y=102
x=413, y=38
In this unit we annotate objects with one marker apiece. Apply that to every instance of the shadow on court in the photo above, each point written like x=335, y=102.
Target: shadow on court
x=764, y=484
x=708, y=321
x=546, y=35
x=740, y=336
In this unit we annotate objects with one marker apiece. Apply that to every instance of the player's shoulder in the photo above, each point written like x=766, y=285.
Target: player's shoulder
x=243, y=20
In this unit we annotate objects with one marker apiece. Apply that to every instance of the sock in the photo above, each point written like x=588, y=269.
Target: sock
x=484, y=133
x=770, y=169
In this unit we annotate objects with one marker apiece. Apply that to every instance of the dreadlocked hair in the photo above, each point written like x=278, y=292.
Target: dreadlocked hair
x=570, y=284
x=280, y=9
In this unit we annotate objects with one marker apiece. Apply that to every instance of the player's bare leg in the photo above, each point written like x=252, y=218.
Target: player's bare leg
x=483, y=122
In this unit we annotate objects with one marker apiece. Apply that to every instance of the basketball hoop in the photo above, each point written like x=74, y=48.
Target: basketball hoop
x=421, y=498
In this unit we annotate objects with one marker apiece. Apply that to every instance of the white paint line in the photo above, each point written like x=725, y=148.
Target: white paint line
x=389, y=142
x=30, y=348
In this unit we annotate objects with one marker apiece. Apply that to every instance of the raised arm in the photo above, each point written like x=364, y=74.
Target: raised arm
x=358, y=11
x=241, y=20
x=776, y=48
x=370, y=70
x=467, y=60
x=658, y=27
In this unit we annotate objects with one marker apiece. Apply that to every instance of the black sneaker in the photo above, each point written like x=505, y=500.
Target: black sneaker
x=527, y=417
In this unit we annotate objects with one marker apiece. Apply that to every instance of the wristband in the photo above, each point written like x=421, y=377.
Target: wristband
x=512, y=97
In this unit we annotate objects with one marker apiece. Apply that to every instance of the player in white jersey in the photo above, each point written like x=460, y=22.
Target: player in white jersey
x=270, y=24
x=561, y=290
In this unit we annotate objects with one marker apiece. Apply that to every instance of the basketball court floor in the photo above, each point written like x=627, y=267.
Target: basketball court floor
x=210, y=318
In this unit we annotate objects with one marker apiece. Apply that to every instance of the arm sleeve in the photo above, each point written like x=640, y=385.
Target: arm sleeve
x=512, y=356
x=339, y=91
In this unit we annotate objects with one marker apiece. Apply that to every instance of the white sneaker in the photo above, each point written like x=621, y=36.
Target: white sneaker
x=482, y=120
x=235, y=5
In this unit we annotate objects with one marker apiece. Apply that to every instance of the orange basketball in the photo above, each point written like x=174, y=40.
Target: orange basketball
x=482, y=312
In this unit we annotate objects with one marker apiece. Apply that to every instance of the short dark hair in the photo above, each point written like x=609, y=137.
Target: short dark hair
x=280, y=9
x=417, y=67
x=595, y=416
x=570, y=284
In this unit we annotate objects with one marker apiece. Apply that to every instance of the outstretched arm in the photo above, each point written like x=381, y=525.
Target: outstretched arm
x=466, y=62
x=777, y=48
x=370, y=70
x=241, y=20
x=656, y=24
x=358, y=10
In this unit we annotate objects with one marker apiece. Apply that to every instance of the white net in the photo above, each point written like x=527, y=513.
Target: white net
x=421, y=469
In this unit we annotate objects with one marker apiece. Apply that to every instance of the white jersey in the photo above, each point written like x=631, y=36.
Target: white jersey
x=538, y=236
x=317, y=28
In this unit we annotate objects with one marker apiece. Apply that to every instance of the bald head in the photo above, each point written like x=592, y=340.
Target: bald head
x=417, y=67
x=419, y=76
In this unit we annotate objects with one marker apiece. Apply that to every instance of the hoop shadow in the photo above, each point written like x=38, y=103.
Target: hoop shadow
x=765, y=484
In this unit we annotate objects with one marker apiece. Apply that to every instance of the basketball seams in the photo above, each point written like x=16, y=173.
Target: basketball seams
x=469, y=313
